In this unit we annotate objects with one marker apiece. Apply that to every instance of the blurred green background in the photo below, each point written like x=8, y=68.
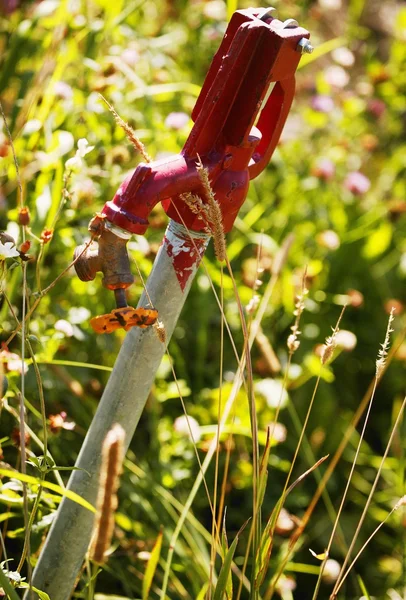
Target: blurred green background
x=336, y=181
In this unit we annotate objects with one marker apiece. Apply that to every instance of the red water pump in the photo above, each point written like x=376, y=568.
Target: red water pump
x=238, y=119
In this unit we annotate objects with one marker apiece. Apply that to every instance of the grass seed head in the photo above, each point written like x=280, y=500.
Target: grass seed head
x=383, y=351
x=129, y=131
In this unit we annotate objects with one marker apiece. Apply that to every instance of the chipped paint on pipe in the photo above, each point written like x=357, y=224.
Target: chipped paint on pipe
x=122, y=402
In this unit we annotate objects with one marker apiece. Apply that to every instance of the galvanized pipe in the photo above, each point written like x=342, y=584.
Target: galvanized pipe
x=122, y=402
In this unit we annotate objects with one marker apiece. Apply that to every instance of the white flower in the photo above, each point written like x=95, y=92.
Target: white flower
x=187, y=426
x=273, y=392
x=8, y=250
x=83, y=148
x=74, y=164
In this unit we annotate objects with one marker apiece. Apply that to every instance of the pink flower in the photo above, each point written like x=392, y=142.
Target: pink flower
x=177, y=120
x=376, y=107
x=336, y=76
x=324, y=169
x=357, y=183
x=323, y=104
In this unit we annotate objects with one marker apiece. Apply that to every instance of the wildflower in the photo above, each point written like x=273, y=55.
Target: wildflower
x=12, y=361
x=63, y=90
x=323, y=104
x=279, y=432
x=324, y=169
x=130, y=56
x=346, y=340
x=376, y=107
x=331, y=570
x=343, y=56
x=383, y=352
x=336, y=76
x=357, y=183
x=47, y=235
x=252, y=304
x=75, y=163
x=273, y=392
x=328, y=239
x=369, y=142
x=284, y=523
x=176, y=120
x=188, y=427
x=355, y=298
x=16, y=437
x=393, y=304
x=64, y=327
x=57, y=422
x=24, y=216
x=285, y=586
x=25, y=246
x=8, y=250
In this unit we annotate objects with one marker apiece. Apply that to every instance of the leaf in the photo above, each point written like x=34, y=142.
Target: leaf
x=225, y=571
x=378, y=241
x=225, y=548
x=363, y=588
x=52, y=486
x=42, y=595
x=151, y=567
x=321, y=556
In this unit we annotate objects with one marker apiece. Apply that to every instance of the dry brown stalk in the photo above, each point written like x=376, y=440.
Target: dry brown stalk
x=112, y=462
x=267, y=352
x=129, y=131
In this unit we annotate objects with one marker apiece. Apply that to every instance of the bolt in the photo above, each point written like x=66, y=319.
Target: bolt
x=304, y=46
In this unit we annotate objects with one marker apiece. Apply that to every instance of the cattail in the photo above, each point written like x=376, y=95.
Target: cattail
x=160, y=331
x=129, y=131
x=331, y=341
x=293, y=343
x=383, y=352
x=214, y=213
x=112, y=461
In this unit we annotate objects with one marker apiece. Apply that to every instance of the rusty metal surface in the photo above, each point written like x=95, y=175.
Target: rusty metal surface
x=109, y=256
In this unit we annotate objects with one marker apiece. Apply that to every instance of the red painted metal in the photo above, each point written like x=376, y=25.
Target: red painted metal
x=233, y=134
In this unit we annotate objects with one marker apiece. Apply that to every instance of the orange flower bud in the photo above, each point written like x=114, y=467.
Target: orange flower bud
x=47, y=235
x=25, y=246
x=24, y=216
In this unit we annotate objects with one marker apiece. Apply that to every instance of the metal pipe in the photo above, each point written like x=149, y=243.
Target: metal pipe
x=122, y=402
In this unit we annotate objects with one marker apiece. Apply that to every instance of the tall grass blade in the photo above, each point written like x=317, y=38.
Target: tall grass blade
x=52, y=486
x=151, y=567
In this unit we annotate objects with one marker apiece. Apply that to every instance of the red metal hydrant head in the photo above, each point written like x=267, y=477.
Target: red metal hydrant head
x=237, y=126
